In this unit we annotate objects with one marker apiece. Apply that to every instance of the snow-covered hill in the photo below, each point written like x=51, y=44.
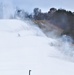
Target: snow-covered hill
x=24, y=47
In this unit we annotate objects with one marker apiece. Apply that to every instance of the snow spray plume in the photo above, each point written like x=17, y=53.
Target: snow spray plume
x=7, y=9
x=64, y=45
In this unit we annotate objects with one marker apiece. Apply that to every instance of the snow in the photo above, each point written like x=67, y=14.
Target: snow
x=32, y=50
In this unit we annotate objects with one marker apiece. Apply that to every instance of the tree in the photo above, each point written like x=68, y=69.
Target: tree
x=52, y=10
x=19, y=13
x=37, y=12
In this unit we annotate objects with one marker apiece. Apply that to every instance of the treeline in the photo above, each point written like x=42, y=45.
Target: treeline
x=58, y=17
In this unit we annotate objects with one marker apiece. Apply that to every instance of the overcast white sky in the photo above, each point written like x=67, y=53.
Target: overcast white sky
x=45, y=5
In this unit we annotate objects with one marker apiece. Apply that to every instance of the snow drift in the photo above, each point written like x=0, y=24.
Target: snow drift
x=32, y=50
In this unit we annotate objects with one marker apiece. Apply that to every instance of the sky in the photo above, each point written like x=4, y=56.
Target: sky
x=44, y=5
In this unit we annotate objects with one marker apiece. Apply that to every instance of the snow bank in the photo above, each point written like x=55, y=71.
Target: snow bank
x=18, y=26
x=32, y=50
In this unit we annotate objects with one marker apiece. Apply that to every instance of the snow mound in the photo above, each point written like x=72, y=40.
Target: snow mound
x=34, y=51
x=19, y=27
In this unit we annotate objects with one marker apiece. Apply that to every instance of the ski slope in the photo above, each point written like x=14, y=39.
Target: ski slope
x=30, y=50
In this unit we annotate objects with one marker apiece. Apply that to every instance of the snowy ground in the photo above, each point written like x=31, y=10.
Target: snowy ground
x=24, y=47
